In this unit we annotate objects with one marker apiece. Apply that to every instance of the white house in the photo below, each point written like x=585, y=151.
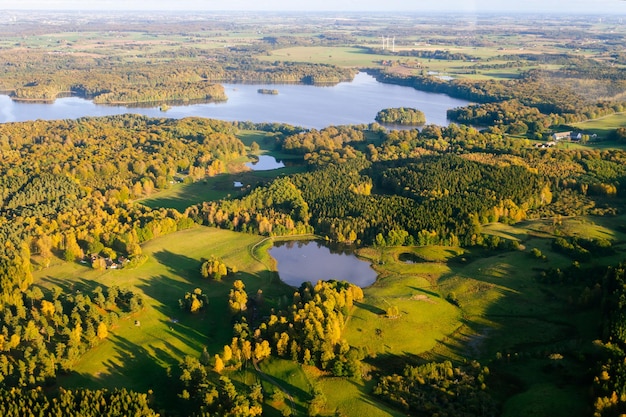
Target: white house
x=561, y=135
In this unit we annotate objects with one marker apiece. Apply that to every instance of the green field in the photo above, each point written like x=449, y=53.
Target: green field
x=340, y=55
x=354, y=56
x=503, y=317
x=141, y=357
x=180, y=196
x=603, y=126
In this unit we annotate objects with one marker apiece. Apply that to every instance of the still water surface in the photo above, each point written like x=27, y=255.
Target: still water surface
x=265, y=163
x=312, y=261
x=355, y=102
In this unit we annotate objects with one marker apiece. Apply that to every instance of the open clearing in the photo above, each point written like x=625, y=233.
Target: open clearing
x=140, y=357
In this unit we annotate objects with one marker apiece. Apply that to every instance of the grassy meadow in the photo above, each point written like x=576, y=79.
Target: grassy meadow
x=500, y=316
x=344, y=56
x=142, y=356
x=603, y=126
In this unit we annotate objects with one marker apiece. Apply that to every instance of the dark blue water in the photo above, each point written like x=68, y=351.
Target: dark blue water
x=312, y=261
x=355, y=102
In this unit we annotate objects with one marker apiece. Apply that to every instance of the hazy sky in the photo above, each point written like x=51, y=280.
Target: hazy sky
x=571, y=6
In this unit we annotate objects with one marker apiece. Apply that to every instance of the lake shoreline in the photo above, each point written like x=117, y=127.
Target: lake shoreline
x=308, y=106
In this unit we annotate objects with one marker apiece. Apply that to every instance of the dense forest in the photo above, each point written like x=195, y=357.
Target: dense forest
x=106, y=80
x=437, y=186
x=542, y=91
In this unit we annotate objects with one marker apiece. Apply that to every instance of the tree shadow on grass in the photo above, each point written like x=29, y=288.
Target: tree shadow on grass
x=425, y=291
x=73, y=285
x=179, y=265
x=371, y=308
x=366, y=396
x=293, y=390
x=513, y=321
x=134, y=367
x=299, y=396
x=192, y=329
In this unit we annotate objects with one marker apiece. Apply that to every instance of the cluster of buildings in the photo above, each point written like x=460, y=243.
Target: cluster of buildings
x=108, y=262
x=564, y=136
x=571, y=136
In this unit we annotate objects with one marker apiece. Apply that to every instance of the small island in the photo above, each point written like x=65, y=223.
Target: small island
x=267, y=91
x=401, y=116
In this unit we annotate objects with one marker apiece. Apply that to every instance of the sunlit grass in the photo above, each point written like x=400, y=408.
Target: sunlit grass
x=335, y=55
x=353, y=398
x=499, y=308
x=165, y=334
x=603, y=126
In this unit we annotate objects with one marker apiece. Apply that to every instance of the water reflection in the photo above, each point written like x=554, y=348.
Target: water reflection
x=312, y=261
x=265, y=163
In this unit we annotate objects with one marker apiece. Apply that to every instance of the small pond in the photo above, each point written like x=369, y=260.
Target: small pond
x=312, y=261
x=265, y=163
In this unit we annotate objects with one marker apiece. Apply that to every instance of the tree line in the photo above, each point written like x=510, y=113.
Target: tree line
x=171, y=76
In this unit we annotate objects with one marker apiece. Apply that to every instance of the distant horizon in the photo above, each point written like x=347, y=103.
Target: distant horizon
x=596, y=7
x=300, y=12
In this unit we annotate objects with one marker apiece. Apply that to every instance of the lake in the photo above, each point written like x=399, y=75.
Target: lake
x=312, y=261
x=309, y=106
x=265, y=163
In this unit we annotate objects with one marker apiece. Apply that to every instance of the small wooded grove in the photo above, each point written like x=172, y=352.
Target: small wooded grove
x=308, y=331
x=401, y=116
x=439, y=389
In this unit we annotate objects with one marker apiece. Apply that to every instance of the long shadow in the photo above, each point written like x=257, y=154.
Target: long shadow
x=133, y=366
x=295, y=392
x=180, y=265
x=71, y=286
x=192, y=330
x=516, y=332
x=372, y=309
x=368, y=398
x=425, y=291
x=512, y=328
x=212, y=326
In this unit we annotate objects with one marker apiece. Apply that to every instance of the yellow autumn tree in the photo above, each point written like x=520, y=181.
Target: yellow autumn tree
x=219, y=364
x=227, y=354
x=47, y=308
x=102, y=331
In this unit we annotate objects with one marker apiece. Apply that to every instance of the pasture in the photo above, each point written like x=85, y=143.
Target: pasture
x=143, y=356
x=452, y=304
x=603, y=126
